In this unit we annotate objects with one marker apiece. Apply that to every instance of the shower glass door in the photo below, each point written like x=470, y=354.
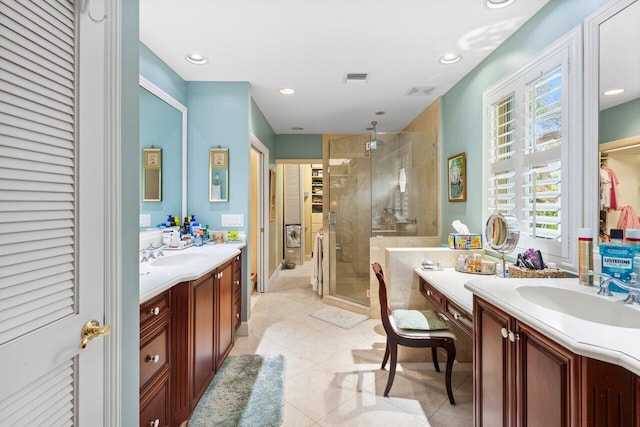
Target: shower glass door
x=386, y=186
x=349, y=218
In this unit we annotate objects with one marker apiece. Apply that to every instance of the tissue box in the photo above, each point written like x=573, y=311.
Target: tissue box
x=465, y=241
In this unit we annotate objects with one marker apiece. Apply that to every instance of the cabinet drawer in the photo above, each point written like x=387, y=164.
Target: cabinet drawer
x=435, y=297
x=154, y=308
x=459, y=317
x=154, y=348
x=154, y=404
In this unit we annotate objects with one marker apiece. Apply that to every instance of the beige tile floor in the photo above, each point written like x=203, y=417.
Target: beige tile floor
x=333, y=375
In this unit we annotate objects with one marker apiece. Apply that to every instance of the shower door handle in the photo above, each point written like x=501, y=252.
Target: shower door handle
x=333, y=215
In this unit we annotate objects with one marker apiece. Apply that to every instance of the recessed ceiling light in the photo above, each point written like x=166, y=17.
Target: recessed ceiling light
x=613, y=92
x=287, y=91
x=450, y=58
x=297, y=128
x=497, y=4
x=197, y=59
x=379, y=113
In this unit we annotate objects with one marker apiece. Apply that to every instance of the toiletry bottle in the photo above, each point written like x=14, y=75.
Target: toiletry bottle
x=185, y=226
x=197, y=240
x=585, y=256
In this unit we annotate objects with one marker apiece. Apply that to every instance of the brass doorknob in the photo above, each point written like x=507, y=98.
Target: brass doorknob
x=92, y=329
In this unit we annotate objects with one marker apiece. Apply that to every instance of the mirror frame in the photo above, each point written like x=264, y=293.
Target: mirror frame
x=219, y=162
x=592, y=108
x=509, y=226
x=155, y=90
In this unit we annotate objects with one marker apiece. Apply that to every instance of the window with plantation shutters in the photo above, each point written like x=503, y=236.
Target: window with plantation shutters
x=531, y=143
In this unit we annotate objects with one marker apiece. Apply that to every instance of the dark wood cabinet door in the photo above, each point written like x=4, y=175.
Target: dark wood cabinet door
x=224, y=305
x=203, y=336
x=492, y=374
x=608, y=395
x=547, y=381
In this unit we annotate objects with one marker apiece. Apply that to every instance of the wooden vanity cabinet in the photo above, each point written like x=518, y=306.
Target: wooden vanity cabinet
x=155, y=361
x=202, y=336
x=520, y=376
x=225, y=322
x=610, y=392
x=237, y=291
x=444, y=305
x=523, y=378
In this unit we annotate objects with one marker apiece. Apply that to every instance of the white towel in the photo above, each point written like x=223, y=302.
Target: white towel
x=316, y=260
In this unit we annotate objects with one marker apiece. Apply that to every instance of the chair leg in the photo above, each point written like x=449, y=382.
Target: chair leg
x=386, y=356
x=451, y=355
x=393, y=349
x=434, y=356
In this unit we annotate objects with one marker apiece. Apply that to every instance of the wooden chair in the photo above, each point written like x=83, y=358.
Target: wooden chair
x=412, y=338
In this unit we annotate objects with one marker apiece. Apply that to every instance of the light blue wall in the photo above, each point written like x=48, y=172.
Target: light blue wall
x=621, y=121
x=298, y=146
x=130, y=171
x=218, y=117
x=261, y=128
x=161, y=127
x=462, y=104
x=159, y=73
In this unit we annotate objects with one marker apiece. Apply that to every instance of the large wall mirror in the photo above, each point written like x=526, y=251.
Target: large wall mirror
x=163, y=129
x=612, y=120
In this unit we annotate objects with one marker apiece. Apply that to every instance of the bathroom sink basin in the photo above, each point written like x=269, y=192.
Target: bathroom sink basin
x=178, y=260
x=583, y=306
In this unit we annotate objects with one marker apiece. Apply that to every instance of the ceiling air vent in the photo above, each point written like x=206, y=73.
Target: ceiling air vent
x=356, y=77
x=420, y=91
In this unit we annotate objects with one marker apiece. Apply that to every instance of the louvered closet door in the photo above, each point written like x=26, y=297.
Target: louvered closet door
x=51, y=203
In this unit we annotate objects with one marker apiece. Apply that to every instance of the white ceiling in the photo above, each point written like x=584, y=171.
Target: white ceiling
x=620, y=56
x=309, y=45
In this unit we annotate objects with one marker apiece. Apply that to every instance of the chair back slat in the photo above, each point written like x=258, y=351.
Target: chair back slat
x=385, y=311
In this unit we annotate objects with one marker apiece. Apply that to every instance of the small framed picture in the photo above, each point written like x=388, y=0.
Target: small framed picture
x=457, y=178
x=219, y=159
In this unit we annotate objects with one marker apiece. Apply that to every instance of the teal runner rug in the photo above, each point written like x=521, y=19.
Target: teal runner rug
x=247, y=391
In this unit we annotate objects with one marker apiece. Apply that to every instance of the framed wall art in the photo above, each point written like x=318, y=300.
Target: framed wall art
x=457, y=178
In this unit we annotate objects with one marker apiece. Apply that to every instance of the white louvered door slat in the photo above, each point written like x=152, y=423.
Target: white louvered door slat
x=51, y=61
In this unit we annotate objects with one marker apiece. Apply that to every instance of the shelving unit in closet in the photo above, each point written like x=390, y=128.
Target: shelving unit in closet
x=317, y=195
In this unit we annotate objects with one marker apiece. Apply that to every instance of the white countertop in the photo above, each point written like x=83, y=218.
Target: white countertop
x=615, y=344
x=156, y=279
x=451, y=283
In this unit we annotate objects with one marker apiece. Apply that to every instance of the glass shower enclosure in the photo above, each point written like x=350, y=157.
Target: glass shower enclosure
x=380, y=185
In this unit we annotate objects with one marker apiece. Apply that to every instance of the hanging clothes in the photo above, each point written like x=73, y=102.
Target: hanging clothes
x=316, y=260
x=605, y=189
x=613, y=201
x=628, y=218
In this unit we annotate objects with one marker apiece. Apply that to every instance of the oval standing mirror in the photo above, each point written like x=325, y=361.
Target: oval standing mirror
x=502, y=234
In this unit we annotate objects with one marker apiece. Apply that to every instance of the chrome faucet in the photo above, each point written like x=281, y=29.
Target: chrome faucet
x=633, y=287
x=151, y=253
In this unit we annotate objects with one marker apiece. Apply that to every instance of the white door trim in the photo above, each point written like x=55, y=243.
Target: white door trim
x=112, y=215
x=263, y=215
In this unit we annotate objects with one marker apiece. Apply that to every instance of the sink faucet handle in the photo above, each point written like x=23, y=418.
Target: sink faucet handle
x=604, y=286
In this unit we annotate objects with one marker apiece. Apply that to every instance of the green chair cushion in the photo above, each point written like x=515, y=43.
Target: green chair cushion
x=422, y=320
